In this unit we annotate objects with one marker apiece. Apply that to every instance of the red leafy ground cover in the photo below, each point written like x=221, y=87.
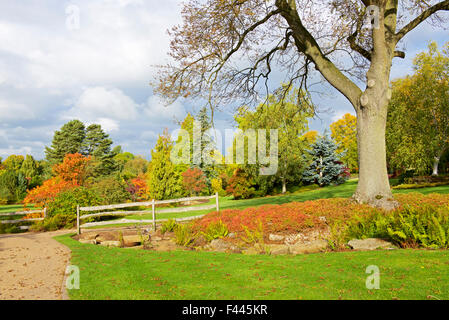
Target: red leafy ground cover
x=300, y=216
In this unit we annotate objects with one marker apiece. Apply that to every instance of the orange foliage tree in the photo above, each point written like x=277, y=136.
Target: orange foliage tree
x=70, y=174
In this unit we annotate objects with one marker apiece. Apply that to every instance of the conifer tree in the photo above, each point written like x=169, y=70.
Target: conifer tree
x=164, y=180
x=69, y=139
x=325, y=168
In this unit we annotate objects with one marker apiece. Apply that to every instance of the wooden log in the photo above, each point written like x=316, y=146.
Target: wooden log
x=116, y=206
x=78, y=219
x=154, y=215
x=186, y=209
x=20, y=220
x=19, y=213
x=113, y=213
x=184, y=199
x=143, y=204
x=216, y=201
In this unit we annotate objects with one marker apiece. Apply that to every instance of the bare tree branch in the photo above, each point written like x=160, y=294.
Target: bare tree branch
x=444, y=5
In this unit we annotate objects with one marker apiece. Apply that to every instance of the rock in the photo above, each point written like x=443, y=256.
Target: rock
x=93, y=241
x=370, y=244
x=293, y=238
x=111, y=243
x=133, y=240
x=276, y=237
x=88, y=236
x=311, y=247
x=219, y=245
x=276, y=249
x=107, y=236
x=251, y=251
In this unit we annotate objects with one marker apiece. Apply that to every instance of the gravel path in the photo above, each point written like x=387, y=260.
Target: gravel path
x=32, y=266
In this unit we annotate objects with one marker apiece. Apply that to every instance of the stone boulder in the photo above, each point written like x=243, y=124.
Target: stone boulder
x=314, y=246
x=93, y=241
x=222, y=246
x=276, y=237
x=88, y=236
x=111, y=244
x=132, y=240
x=369, y=244
x=276, y=249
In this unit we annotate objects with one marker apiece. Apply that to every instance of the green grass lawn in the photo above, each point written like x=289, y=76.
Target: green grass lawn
x=114, y=273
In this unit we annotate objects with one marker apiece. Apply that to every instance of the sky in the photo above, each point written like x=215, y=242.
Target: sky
x=94, y=60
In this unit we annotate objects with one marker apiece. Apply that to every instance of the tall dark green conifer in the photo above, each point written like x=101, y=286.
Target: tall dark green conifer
x=67, y=140
x=325, y=168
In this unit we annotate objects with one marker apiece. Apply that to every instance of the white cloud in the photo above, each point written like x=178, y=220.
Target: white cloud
x=11, y=110
x=157, y=111
x=99, y=103
x=108, y=125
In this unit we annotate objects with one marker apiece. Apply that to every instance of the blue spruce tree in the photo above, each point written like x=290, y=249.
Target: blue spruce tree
x=325, y=167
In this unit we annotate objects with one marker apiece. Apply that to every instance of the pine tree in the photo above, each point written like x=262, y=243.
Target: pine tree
x=207, y=145
x=98, y=145
x=164, y=180
x=325, y=168
x=69, y=139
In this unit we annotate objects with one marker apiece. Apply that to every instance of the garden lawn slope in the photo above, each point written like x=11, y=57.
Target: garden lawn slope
x=115, y=273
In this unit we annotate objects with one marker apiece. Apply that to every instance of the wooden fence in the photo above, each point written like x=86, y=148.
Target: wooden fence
x=152, y=203
x=23, y=213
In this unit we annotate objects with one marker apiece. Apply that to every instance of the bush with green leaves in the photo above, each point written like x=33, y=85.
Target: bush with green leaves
x=184, y=235
x=215, y=230
x=111, y=191
x=410, y=227
x=13, y=186
x=169, y=226
x=66, y=202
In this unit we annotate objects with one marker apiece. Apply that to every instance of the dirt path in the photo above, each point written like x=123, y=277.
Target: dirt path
x=32, y=266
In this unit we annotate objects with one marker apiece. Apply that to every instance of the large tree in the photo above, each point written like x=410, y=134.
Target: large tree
x=418, y=117
x=291, y=121
x=68, y=140
x=344, y=133
x=227, y=49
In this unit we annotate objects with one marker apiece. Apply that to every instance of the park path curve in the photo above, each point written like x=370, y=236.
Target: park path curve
x=32, y=266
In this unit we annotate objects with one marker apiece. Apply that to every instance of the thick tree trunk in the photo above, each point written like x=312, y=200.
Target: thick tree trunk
x=436, y=162
x=373, y=186
x=284, y=186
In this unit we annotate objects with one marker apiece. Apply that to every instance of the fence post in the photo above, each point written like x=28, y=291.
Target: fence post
x=78, y=219
x=45, y=212
x=216, y=201
x=154, y=215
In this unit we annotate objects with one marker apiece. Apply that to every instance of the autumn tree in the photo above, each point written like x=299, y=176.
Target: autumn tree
x=194, y=181
x=344, y=133
x=224, y=52
x=418, y=117
x=73, y=168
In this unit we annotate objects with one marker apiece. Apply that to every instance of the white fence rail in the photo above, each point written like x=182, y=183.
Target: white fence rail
x=152, y=203
x=23, y=213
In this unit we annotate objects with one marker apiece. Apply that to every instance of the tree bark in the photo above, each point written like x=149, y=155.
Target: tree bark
x=436, y=163
x=284, y=186
x=373, y=186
